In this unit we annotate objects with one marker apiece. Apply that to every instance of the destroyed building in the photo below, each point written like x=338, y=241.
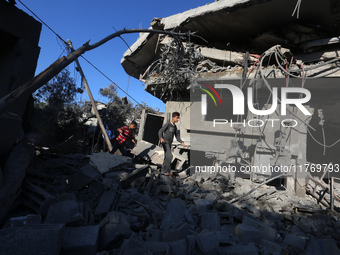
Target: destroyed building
x=110, y=204
x=20, y=35
x=243, y=44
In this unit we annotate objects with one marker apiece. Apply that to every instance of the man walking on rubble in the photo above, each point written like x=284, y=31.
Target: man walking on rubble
x=125, y=132
x=166, y=135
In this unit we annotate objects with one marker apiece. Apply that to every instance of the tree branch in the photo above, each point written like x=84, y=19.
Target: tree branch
x=56, y=67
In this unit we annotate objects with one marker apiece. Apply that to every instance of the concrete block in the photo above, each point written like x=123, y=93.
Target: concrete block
x=317, y=246
x=210, y=221
x=31, y=240
x=207, y=242
x=242, y=186
x=202, y=205
x=174, y=214
x=66, y=212
x=80, y=240
x=114, y=228
x=239, y=250
x=158, y=248
x=225, y=238
x=172, y=235
x=191, y=244
x=188, y=216
x=91, y=172
x=178, y=247
x=211, y=197
x=105, y=203
x=295, y=241
x=266, y=232
x=270, y=248
x=247, y=233
x=135, y=176
x=134, y=245
x=106, y=161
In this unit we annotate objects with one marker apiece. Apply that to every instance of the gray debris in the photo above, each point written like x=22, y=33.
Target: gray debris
x=174, y=214
x=32, y=240
x=208, y=242
x=106, y=161
x=247, y=233
x=322, y=246
x=210, y=221
x=113, y=229
x=80, y=240
x=66, y=212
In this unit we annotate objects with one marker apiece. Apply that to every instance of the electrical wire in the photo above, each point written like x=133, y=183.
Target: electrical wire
x=297, y=9
x=306, y=77
x=322, y=144
x=111, y=81
x=324, y=140
x=268, y=86
x=81, y=56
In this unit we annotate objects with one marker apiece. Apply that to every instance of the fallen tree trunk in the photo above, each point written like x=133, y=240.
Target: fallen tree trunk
x=55, y=68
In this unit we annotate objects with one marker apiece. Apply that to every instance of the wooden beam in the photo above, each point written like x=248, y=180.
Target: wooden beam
x=87, y=87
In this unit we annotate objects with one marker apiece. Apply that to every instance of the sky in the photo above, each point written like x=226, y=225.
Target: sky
x=84, y=20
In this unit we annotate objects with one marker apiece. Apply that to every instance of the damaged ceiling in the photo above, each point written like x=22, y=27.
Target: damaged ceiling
x=240, y=26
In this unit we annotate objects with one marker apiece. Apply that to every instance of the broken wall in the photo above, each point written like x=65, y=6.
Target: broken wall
x=19, y=53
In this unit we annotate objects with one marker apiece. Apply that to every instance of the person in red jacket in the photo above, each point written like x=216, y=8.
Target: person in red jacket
x=125, y=132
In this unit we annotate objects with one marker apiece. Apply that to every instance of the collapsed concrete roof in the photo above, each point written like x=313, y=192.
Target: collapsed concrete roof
x=242, y=25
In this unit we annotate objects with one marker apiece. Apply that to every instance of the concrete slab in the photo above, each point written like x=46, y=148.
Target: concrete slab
x=247, y=233
x=210, y=221
x=270, y=248
x=138, y=173
x=158, y=248
x=317, y=246
x=105, y=202
x=174, y=214
x=133, y=245
x=178, y=247
x=239, y=250
x=114, y=228
x=64, y=212
x=32, y=240
x=80, y=240
x=172, y=235
x=295, y=241
x=106, y=161
x=266, y=232
x=207, y=242
x=91, y=172
x=225, y=238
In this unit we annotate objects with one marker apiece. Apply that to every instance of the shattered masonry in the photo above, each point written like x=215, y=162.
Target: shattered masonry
x=110, y=204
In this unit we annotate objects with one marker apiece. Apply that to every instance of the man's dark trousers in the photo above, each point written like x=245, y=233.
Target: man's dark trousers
x=167, y=157
x=121, y=148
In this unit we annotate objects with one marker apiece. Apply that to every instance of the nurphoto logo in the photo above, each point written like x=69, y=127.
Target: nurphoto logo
x=238, y=104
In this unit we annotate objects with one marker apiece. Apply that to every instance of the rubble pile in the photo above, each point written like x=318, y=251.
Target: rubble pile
x=106, y=204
